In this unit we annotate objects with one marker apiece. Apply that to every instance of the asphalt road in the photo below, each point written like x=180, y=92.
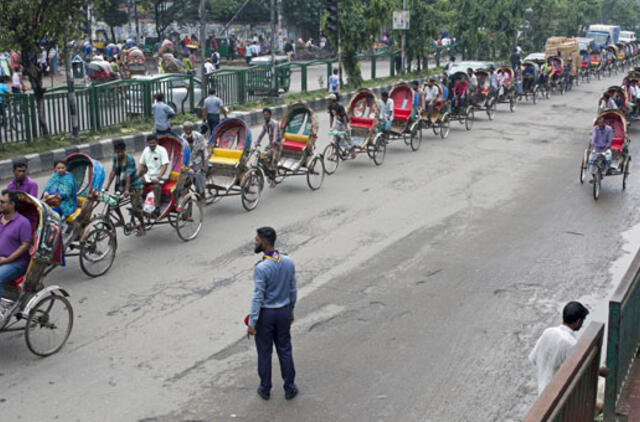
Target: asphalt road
x=424, y=284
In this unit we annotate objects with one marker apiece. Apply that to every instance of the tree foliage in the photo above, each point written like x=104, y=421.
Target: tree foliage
x=27, y=26
x=110, y=13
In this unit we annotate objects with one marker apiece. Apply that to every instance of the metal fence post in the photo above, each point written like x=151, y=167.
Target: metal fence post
x=242, y=92
x=613, y=352
x=303, y=77
x=392, y=68
x=373, y=66
x=146, y=98
x=192, y=101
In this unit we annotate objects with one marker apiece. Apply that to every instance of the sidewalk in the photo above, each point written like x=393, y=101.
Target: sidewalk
x=629, y=402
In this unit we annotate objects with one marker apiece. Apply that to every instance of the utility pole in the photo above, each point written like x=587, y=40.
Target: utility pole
x=203, y=42
x=403, y=56
x=274, y=90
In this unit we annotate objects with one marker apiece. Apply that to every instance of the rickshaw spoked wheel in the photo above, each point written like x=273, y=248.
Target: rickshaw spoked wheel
x=445, y=126
x=97, y=251
x=597, y=180
x=416, y=138
x=469, y=118
x=51, y=316
x=491, y=110
x=252, y=189
x=331, y=158
x=625, y=173
x=583, y=171
x=189, y=219
x=315, y=173
x=379, y=149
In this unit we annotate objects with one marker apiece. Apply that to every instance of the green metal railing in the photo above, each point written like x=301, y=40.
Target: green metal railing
x=571, y=394
x=114, y=103
x=623, y=335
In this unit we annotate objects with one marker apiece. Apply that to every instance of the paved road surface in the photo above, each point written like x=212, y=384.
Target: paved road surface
x=424, y=284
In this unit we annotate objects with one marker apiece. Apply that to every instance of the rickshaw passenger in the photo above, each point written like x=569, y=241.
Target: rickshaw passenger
x=22, y=182
x=545, y=71
x=607, y=103
x=431, y=96
x=15, y=240
x=503, y=78
x=446, y=84
x=494, y=81
x=517, y=79
x=601, y=138
x=60, y=191
x=635, y=95
x=271, y=128
x=528, y=76
x=154, y=163
x=460, y=92
x=473, y=80
x=618, y=100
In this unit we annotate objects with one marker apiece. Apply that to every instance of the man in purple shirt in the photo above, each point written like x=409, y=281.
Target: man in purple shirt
x=15, y=239
x=601, y=138
x=21, y=181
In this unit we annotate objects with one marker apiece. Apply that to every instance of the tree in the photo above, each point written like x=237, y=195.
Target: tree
x=110, y=13
x=31, y=25
x=303, y=14
x=427, y=17
x=359, y=24
x=224, y=10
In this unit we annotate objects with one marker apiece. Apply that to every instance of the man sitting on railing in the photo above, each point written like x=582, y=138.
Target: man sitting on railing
x=555, y=343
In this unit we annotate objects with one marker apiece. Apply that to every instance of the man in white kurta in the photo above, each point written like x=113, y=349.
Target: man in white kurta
x=555, y=344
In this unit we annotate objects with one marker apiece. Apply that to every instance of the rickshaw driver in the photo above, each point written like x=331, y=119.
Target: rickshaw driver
x=154, y=163
x=271, y=154
x=545, y=71
x=386, y=114
x=601, y=138
x=15, y=240
x=528, y=75
x=338, y=121
x=418, y=98
x=431, y=96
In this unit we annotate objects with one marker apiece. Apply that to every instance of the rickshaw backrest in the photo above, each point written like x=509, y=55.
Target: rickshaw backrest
x=178, y=153
x=402, y=102
x=87, y=173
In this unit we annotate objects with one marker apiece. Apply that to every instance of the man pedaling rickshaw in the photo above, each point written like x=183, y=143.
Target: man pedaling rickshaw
x=601, y=138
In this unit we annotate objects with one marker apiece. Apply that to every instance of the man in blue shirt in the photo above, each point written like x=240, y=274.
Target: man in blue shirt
x=601, y=139
x=161, y=114
x=274, y=297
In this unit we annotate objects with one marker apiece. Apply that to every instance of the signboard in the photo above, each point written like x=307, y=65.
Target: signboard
x=401, y=19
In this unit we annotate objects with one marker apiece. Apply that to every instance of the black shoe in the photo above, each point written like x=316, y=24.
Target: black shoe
x=156, y=213
x=291, y=394
x=264, y=396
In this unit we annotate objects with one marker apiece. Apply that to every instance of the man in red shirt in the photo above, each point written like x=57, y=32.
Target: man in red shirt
x=460, y=90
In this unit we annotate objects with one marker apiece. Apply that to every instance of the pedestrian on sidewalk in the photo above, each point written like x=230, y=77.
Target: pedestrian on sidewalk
x=334, y=84
x=274, y=298
x=16, y=81
x=211, y=108
x=21, y=182
x=162, y=112
x=555, y=343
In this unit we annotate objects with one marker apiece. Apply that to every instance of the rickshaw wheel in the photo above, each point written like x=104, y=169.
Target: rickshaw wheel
x=379, y=149
x=625, y=173
x=416, y=139
x=315, y=173
x=491, y=110
x=534, y=96
x=331, y=158
x=583, y=171
x=512, y=105
x=469, y=119
x=445, y=126
x=51, y=315
x=189, y=219
x=97, y=251
x=252, y=189
x=597, y=180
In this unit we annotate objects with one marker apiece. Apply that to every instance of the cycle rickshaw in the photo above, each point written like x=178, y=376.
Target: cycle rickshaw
x=43, y=313
x=299, y=130
x=232, y=168
x=362, y=137
x=179, y=204
x=620, y=157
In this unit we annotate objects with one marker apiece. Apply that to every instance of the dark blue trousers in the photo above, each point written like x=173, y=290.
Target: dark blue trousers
x=273, y=327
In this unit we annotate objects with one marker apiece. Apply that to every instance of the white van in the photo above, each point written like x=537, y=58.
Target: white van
x=627, y=36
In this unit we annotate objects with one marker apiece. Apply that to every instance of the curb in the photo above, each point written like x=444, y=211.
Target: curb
x=43, y=161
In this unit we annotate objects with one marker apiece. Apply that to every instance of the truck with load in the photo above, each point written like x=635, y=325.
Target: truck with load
x=603, y=35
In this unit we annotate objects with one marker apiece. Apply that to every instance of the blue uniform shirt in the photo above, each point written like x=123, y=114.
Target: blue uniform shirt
x=274, y=284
